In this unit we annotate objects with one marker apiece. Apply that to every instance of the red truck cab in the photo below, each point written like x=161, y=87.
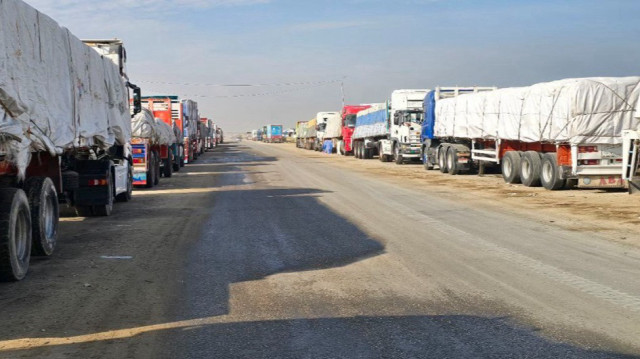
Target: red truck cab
x=349, y=113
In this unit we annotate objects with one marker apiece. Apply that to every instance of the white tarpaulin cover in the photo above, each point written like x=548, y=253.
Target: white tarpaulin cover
x=143, y=125
x=55, y=92
x=334, y=126
x=585, y=110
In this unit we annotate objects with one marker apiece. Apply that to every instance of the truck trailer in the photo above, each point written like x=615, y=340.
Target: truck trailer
x=555, y=134
x=329, y=128
x=151, y=149
x=307, y=131
x=273, y=133
x=65, y=134
x=168, y=109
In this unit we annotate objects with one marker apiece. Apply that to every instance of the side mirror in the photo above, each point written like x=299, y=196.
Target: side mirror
x=137, y=98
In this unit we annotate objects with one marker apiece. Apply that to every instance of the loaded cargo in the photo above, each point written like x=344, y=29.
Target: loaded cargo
x=64, y=134
x=555, y=134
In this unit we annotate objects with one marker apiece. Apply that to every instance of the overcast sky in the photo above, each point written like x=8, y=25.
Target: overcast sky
x=190, y=47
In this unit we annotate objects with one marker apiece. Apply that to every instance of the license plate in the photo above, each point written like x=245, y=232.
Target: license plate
x=601, y=182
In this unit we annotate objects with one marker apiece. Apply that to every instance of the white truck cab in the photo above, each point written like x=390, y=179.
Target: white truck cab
x=405, y=121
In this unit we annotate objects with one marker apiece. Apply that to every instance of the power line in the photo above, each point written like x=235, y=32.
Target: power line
x=243, y=85
x=318, y=84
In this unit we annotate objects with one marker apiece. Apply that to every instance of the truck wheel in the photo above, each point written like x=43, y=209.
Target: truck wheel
x=341, y=148
x=106, y=209
x=442, y=159
x=43, y=201
x=425, y=160
x=15, y=234
x=156, y=179
x=397, y=157
x=151, y=176
x=550, y=173
x=511, y=167
x=530, y=168
x=126, y=196
x=452, y=161
x=167, y=169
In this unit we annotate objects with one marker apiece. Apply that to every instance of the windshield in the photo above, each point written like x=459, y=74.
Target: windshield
x=350, y=121
x=415, y=117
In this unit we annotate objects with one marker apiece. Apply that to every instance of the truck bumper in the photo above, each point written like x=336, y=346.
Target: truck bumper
x=410, y=150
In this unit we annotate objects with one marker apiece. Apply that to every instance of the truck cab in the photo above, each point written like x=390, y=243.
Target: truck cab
x=349, y=114
x=405, y=117
x=321, y=127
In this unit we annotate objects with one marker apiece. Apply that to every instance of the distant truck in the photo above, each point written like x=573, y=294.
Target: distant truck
x=307, y=133
x=556, y=134
x=190, y=121
x=371, y=134
x=406, y=111
x=273, y=134
x=391, y=130
x=169, y=110
x=65, y=132
x=329, y=128
x=151, y=148
x=348, y=118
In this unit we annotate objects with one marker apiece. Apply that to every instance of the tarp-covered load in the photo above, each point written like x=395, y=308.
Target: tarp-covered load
x=308, y=129
x=372, y=122
x=334, y=126
x=191, y=118
x=143, y=125
x=576, y=111
x=55, y=92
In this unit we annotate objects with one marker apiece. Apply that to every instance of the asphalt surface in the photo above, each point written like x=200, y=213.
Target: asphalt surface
x=266, y=251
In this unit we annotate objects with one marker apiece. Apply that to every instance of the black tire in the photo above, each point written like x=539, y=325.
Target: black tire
x=126, y=196
x=397, y=157
x=530, y=168
x=425, y=160
x=15, y=234
x=156, y=179
x=452, y=161
x=151, y=176
x=550, y=173
x=167, y=169
x=341, y=149
x=442, y=159
x=105, y=210
x=511, y=167
x=43, y=202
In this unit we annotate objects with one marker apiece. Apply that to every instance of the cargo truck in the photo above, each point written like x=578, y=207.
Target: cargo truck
x=273, y=134
x=329, y=128
x=405, y=121
x=308, y=135
x=169, y=110
x=631, y=159
x=151, y=149
x=348, y=117
x=65, y=132
x=556, y=134
x=371, y=134
x=190, y=120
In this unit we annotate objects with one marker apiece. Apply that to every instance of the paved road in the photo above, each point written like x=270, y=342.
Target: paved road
x=264, y=251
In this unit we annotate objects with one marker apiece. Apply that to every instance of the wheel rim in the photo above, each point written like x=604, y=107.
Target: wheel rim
x=547, y=172
x=49, y=217
x=526, y=169
x=21, y=235
x=507, y=168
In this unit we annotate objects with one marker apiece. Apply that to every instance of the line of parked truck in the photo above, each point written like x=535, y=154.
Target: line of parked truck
x=76, y=134
x=268, y=133
x=582, y=132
